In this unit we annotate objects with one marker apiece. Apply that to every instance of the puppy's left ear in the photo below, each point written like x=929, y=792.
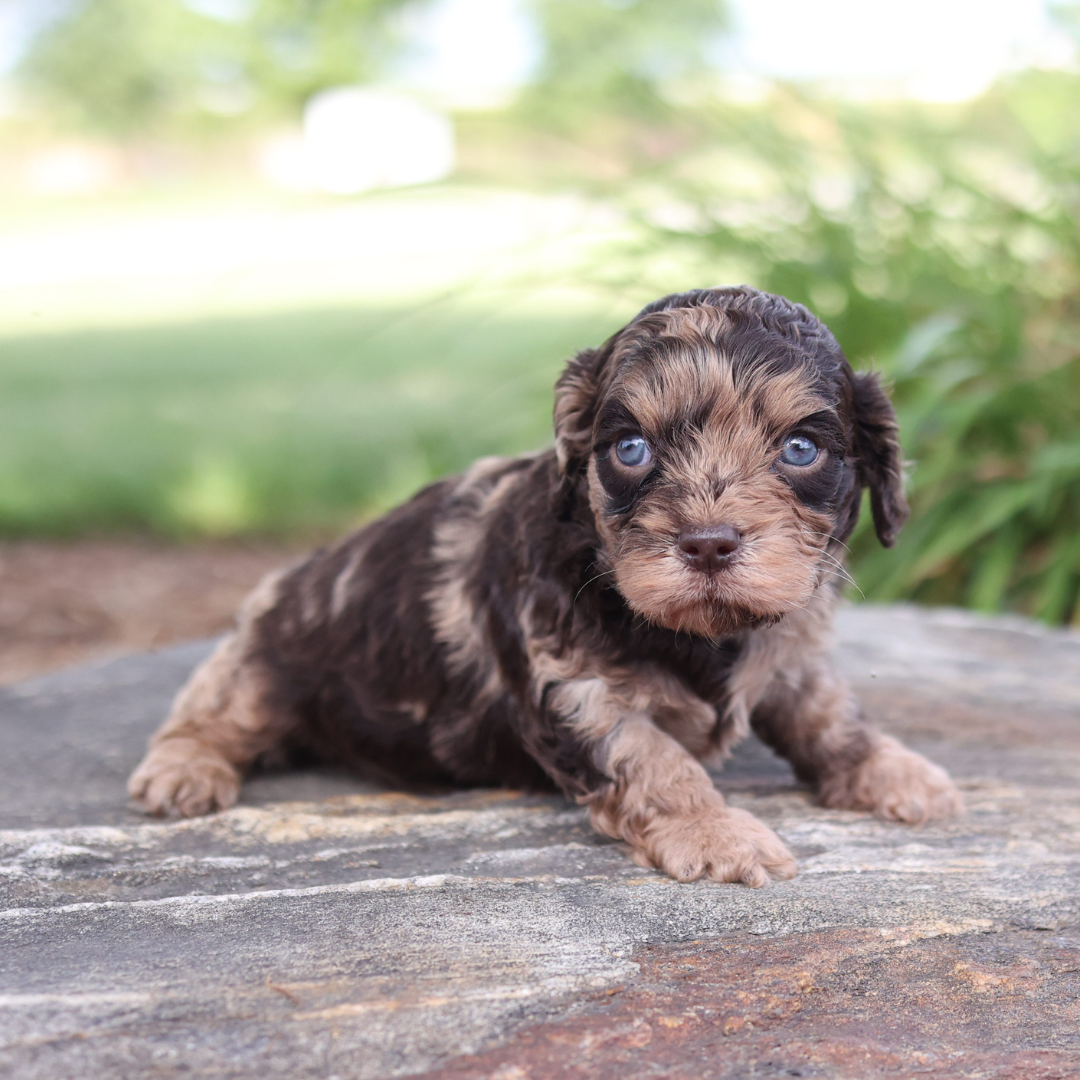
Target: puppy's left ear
x=880, y=458
x=575, y=409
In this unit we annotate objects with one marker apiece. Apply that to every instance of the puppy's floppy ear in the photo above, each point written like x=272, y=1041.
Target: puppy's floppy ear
x=576, y=395
x=877, y=446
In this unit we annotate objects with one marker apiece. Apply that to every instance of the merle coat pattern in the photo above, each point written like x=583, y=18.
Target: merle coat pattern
x=597, y=617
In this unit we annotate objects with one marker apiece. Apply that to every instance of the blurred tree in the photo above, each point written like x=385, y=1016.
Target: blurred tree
x=116, y=64
x=126, y=66
x=297, y=47
x=618, y=55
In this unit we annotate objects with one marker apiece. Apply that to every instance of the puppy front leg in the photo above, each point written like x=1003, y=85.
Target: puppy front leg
x=663, y=803
x=815, y=722
x=658, y=798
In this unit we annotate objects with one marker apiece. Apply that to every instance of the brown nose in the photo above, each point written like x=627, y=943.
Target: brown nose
x=708, y=547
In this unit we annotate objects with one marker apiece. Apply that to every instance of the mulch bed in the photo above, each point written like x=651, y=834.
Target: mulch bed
x=68, y=603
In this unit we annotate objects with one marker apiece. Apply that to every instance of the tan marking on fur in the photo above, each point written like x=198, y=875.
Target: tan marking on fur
x=312, y=602
x=799, y=640
x=894, y=783
x=453, y=613
x=595, y=704
x=721, y=474
x=417, y=711
x=707, y=321
x=774, y=573
x=457, y=540
x=220, y=722
x=587, y=706
x=664, y=805
x=747, y=414
x=545, y=667
x=597, y=497
x=575, y=392
x=344, y=589
x=263, y=597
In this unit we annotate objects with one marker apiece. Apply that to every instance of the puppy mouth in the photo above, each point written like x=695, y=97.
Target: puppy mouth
x=714, y=594
x=714, y=589
x=720, y=596
x=712, y=577
x=713, y=611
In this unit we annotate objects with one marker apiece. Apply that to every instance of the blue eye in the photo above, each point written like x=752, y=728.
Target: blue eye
x=799, y=450
x=633, y=451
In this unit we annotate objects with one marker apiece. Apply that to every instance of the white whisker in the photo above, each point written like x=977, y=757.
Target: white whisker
x=589, y=582
x=839, y=570
x=829, y=536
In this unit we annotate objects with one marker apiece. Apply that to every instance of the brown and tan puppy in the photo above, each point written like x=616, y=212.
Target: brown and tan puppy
x=600, y=616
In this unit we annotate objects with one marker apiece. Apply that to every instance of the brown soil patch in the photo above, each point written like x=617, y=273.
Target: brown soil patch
x=67, y=603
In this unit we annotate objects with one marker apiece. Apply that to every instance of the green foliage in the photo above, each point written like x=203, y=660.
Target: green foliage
x=940, y=245
x=617, y=55
x=297, y=47
x=117, y=64
x=129, y=67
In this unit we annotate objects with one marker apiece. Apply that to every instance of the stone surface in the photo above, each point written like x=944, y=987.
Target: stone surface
x=330, y=928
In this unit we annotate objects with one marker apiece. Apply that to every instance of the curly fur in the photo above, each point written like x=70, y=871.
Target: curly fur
x=538, y=621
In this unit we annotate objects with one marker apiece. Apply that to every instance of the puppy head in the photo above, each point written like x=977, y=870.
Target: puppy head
x=724, y=442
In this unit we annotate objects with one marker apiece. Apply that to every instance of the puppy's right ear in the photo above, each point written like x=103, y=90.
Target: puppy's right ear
x=576, y=395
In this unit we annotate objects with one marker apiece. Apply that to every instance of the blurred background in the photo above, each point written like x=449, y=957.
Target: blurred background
x=267, y=266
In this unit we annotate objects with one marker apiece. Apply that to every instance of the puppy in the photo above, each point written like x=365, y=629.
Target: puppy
x=598, y=617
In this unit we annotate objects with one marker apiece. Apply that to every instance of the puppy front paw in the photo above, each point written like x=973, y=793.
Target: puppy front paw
x=184, y=777
x=723, y=843
x=894, y=783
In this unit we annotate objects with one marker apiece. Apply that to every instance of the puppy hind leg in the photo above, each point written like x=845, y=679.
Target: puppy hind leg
x=815, y=722
x=220, y=722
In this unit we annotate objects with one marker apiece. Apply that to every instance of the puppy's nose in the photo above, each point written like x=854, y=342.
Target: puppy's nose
x=708, y=547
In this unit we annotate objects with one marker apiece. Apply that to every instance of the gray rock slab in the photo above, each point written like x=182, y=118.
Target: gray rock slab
x=329, y=927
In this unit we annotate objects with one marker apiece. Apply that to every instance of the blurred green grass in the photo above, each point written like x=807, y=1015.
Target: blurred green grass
x=269, y=424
